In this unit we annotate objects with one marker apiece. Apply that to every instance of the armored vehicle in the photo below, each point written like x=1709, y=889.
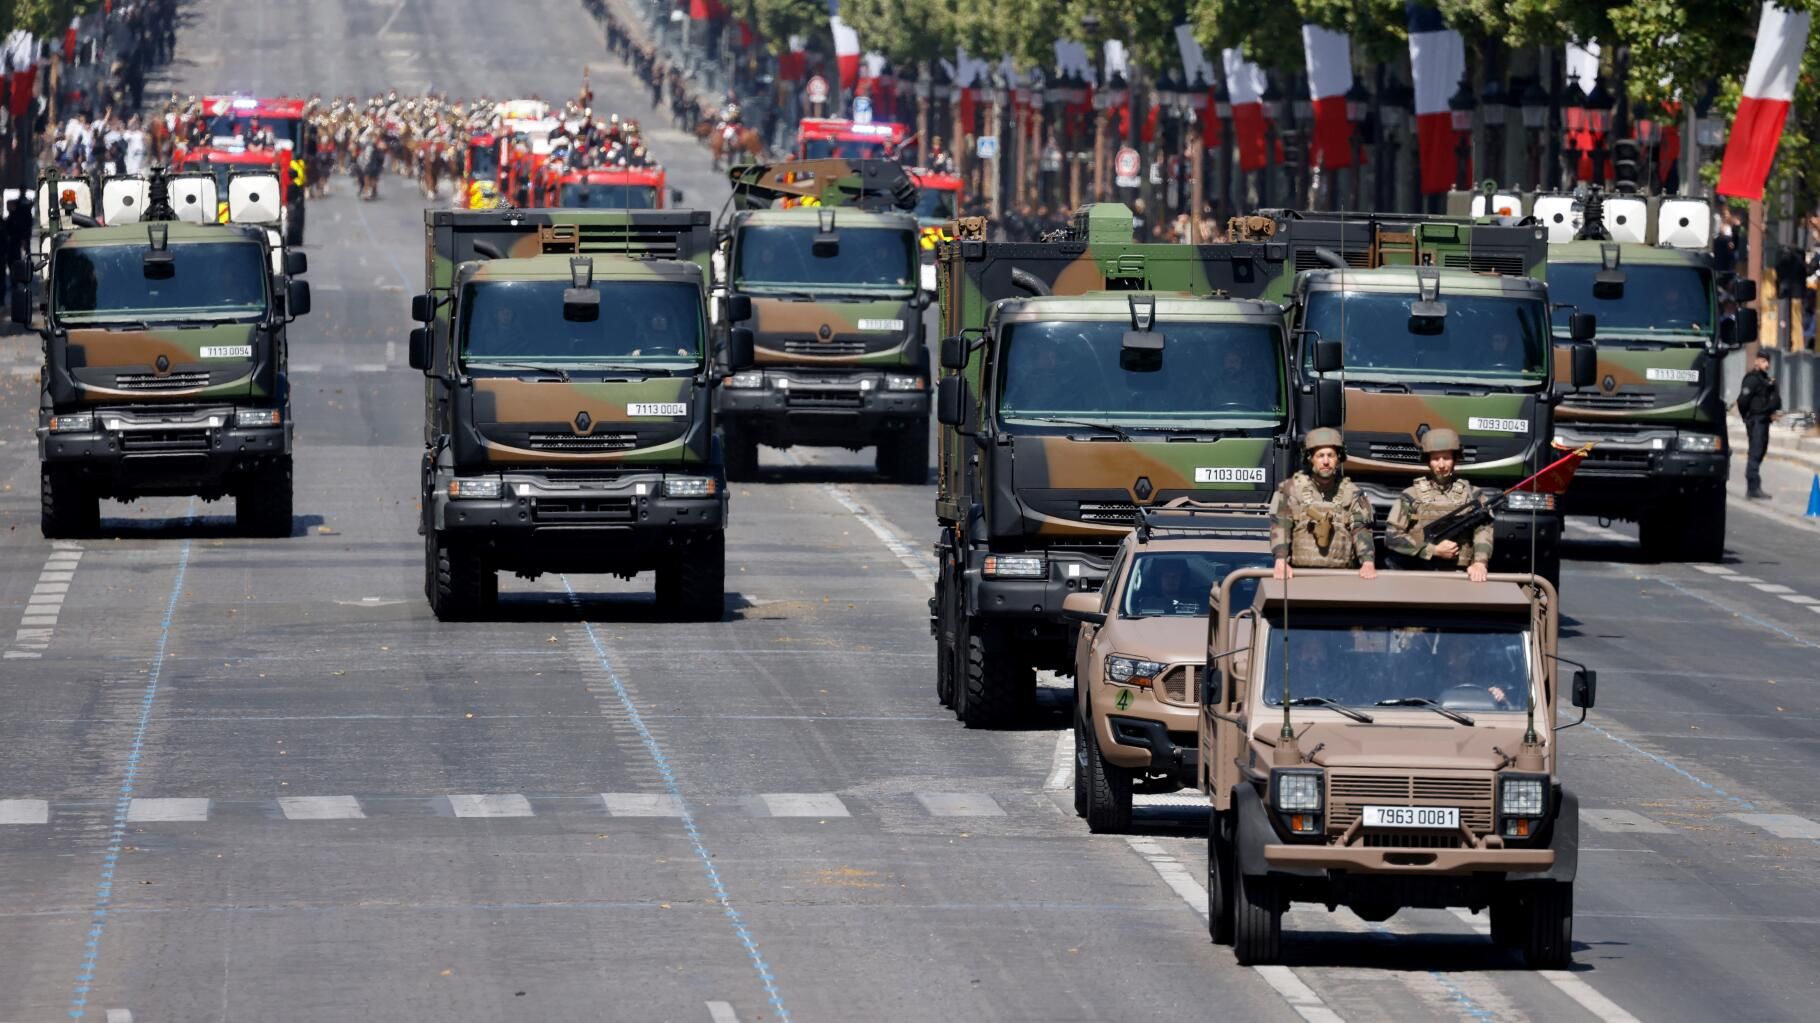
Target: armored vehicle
x=834, y=286
x=567, y=405
x=165, y=347
x=1388, y=744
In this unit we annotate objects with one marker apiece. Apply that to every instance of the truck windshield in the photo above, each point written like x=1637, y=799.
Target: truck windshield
x=1482, y=338
x=239, y=124
x=849, y=149
x=214, y=281
x=524, y=321
x=1657, y=299
x=1180, y=583
x=608, y=197
x=1459, y=663
x=1211, y=374
x=867, y=259
x=483, y=161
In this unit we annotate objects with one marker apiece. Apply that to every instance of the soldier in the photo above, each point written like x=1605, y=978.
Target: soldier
x=1318, y=519
x=1429, y=498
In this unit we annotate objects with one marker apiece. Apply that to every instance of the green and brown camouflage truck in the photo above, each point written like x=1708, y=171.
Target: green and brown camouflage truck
x=1655, y=409
x=1086, y=377
x=165, y=347
x=834, y=281
x=568, y=407
x=1441, y=323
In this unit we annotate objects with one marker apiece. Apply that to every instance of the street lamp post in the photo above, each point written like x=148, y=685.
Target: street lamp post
x=1649, y=137
x=1302, y=170
x=1534, y=105
x=1270, y=101
x=1459, y=109
x=1573, y=122
x=1493, y=101
x=996, y=165
x=1598, y=121
x=1222, y=111
x=1358, y=108
x=1393, y=117
x=925, y=91
x=1197, y=102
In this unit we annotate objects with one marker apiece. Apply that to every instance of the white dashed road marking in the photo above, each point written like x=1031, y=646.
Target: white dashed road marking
x=803, y=804
x=1603, y=1008
x=1781, y=825
x=960, y=804
x=509, y=804
x=119, y=1016
x=45, y=604
x=1714, y=569
x=1772, y=587
x=320, y=808
x=722, y=1012
x=150, y=810
x=1620, y=821
x=25, y=811
x=903, y=550
x=642, y=804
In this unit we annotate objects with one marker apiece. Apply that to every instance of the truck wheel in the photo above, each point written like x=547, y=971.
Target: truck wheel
x=693, y=587
x=904, y=458
x=1219, y=878
x=1081, y=754
x=1702, y=532
x=948, y=668
x=741, y=454
x=1108, y=787
x=1507, y=920
x=68, y=508
x=1660, y=533
x=262, y=502
x=1257, y=920
x=1548, y=943
x=995, y=689
x=465, y=586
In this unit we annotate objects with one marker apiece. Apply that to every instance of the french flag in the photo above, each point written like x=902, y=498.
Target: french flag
x=22, y=63
x=1769, y=87
x=1245, y=88
x=1329, y=77
x=793, y=63
x=846, y=52
x=1437, y=59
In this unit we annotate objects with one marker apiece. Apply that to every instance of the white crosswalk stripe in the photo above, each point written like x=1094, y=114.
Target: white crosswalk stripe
x=509, y=804
x=803, y=804
x=1714, y=569
x=159, y=810
x=960, y=804
x=25, y=811
x=1621, y=821
x=320, y=808
x=642, y=804
x=1781, y=825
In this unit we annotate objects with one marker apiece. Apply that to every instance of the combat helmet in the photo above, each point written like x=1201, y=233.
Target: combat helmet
x=1323, y=437
x=1439, y=440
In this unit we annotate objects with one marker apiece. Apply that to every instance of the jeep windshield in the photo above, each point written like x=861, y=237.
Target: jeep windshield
x=1458, y=662
x=608, y=197
x=1483, y=339
x=216, y=281
x=1674, y=302
x=525, y=322
x=1179, y=584
x=863, y=259
x=1214, y=375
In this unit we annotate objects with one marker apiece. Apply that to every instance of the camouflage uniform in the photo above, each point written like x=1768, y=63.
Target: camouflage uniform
x=1312, y=528
x=1424, y=501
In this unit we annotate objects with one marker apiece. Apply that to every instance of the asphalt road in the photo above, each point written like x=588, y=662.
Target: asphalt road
x=256, y=780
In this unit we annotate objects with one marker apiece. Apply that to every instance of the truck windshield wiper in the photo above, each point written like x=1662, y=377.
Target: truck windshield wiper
x=557, y=371
x=1333, y=705
x=1108, y=427
x=1423, y=701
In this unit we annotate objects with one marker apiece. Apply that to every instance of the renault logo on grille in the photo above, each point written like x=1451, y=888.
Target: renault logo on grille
x=1609, y=383
x=826, y=332
x=582, y=422
x=1142, y=488
x=163, y=364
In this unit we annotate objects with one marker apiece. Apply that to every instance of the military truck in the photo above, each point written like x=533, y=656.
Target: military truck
x=165, y=347
x=1389, y=744
x=569, y=425
x=1655, y=408
x=1083, y=378
x=1442, y=323
x=836, y=302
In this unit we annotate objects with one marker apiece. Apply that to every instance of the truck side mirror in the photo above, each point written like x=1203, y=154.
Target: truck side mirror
x=740, y=346
x=297, y=299
x=1083, y=608
x=1327, y=358
x=296, y=263
x=420, y=348
x=1586, y=688
x=737, y=308
x=951, y=400
x=1585, y=363
x=954, y=353
x=1744, y=290
x=1583, y=326
x=1329, y=403
x=1746, y=330
x=423, y=308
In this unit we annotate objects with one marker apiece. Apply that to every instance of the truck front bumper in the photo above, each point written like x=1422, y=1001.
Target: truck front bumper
x=831, y=409
x=999, y=593
x=141, y=451
x=1626, y=473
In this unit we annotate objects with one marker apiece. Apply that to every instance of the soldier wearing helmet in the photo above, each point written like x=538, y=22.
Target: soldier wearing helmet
x=1318, y=518
x=1427, y=499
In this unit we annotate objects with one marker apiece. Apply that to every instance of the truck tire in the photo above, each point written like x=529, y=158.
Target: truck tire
x=68, y=508
x=1081, y=754
x=693, y=587
x=464, y=586
x=948, y=650
x=1108, y=785
x=1702, y=529
x=1659, y=532
x=904, y=457
x=262, y=501
x=994, y=690
x=741, y=454
x=1219, y=877
x=1548, y=939
x=1257, y=920
x=1507, y=921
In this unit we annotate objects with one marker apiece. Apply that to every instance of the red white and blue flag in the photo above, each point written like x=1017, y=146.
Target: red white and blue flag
x=1245, y=86
x=1329, y=79
x=846, y=51
x=1769, y=88
x=1437, y=59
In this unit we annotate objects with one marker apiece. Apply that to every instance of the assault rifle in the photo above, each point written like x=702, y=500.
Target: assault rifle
x=1459, y=523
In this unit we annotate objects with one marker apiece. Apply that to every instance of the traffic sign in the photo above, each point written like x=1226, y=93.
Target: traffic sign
x=862, y=110
x=986, y=147
x=1126, y=165
x=817, y=90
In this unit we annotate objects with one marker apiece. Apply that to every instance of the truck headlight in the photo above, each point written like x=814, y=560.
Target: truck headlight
x=894, y=382
x=689, y=486
x=474, y=489
x=1522, y=795
x=1132, y=671
x=751, y=378
x=1015, y=566
x=1704, y=442
x=1297, y=797
x=80, y=422
x=1528, y=500
x=258, y=417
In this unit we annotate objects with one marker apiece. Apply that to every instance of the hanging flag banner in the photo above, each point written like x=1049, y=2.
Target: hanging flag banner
x=1245, y=85
x=1437, y=59
x=1769, y=88
x=1329, y=78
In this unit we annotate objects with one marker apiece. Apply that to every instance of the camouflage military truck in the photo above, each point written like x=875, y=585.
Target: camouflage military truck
x=568, y=411
x=834, y=284
x=165, y=347
x=1655, y=408
x=1442, y=323
x=1385, y=745
x=1086, y=377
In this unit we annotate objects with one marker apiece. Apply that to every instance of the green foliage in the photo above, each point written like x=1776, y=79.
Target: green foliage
x=778, y=20
x=907, y=31
x=42, y=17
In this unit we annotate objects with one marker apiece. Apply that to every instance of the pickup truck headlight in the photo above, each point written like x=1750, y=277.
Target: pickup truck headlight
x=80, y=422
x=689, y=486
x=258, y=417
x=1704, y=442
x=750, y=379
x=474, y=489
x=1526, y=500
x=895, y=382
x=1132, y=671
x=1015, y=566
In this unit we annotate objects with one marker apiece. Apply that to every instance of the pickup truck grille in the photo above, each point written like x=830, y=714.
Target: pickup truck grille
x=581, y=510
x=1178, y=684
x=591, y=442
x=154, y=382
x=805, y=346
x=1348, y=792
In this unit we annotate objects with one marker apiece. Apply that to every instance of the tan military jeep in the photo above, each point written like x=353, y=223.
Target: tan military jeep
x=1141, y=650
x=1389, y=744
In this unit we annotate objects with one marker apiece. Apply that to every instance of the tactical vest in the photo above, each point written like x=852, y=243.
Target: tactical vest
x=1322, y=536
x=1429, y=501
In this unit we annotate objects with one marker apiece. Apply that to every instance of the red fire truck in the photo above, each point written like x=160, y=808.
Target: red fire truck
x=635, y=188
x=818, y=138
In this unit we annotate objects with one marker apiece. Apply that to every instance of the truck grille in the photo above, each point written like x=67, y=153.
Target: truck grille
x=1485, y=263
x=1593, y=399
x=1410, y=454
x=805, y=399
x=1112, y=513
x=1178, y=684
x=1348, y=792
x=805, y=346
x=1410, y=840
x=591, y=442
x=1616, y=458
x=154, y=382
x=164, y=441
x=581, y=510
x=1305, y=259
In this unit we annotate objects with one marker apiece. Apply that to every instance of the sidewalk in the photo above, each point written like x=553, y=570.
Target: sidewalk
x=1788, y=472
